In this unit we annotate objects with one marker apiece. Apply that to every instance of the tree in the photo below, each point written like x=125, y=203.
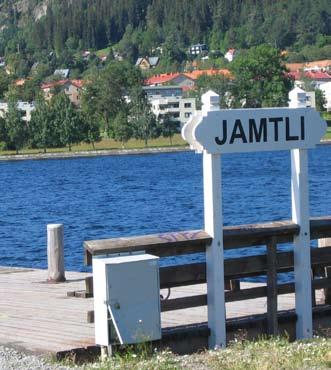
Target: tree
x=68, y=123
x=320, y=100
x=105, y=96
x=220, y=84
x=42, y=130
x=16, y=129
x=144, y=122
x=121, y=128
x=260, y=78
x=169, y=128
x=91, y=128
x=4, y=82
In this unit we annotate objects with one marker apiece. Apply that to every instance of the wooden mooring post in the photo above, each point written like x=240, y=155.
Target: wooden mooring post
x=55, y=253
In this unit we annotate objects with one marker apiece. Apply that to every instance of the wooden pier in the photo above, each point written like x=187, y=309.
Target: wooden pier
x=42, y=317
x=39, y=317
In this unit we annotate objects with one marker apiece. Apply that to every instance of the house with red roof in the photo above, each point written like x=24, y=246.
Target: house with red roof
x=72, y=88
x=314, y=66
x=185, y=80
x=316, y=78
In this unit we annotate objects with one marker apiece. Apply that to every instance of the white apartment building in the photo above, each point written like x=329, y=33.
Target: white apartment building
x=302, y=98
x=167, y=101
x=23, y=106
x=177, y=108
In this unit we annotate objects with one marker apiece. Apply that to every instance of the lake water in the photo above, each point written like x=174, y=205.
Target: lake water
x=104, y=197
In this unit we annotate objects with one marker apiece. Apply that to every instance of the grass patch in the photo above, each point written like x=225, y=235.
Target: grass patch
x=108, y=144
x=102, y=52
x=266, y=354
x=328, y=134
x=273, y=354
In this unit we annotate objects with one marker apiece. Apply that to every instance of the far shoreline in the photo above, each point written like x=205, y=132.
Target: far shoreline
x=104, y=153
x=93, y=153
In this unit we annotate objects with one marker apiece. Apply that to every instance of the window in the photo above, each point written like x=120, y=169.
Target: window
x=187, y=105
x=187, y=115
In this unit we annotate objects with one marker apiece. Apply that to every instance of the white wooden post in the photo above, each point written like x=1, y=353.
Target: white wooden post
x=302, y=262
x=55, y=253
x=214, y=226
x=300, y=215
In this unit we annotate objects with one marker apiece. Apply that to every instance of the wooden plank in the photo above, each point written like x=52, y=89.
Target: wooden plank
x=235, y=268
x=185, y=242
x=259, y=234
x=272, y=287
x=183, y=302
x=244, y=294
x=320, y=227
x=163, y=244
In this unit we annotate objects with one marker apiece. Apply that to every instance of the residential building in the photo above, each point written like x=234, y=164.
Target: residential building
x=168, y=102
x=315, y=78
x=326, y=88
x=230, y=55
x=314, y=66
x=23, y=106
x=162, y=91
x=147, y=62
x=198, y=49
x=63, y=73
x=299, y=97
x=185, y=80
x=72, y=88
x=176, y=108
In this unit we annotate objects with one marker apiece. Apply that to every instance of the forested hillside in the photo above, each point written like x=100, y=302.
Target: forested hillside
x=139, y=26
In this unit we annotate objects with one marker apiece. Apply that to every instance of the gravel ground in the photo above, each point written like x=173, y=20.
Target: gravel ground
x=14, y=360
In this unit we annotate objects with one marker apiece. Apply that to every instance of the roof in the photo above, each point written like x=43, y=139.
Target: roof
x=296, y=67
x=297, y=90
x=50, y=85
x=319, y=63
x=20, y=82
x=161, y=78
x=318, y=75
x=167, y=77
x=209, y=72
x=62, y=72
x=153, y=61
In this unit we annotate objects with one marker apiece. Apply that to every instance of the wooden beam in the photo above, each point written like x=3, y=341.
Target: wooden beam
x=89, y=285
x=325, y=243
x=185, y=242
x=231, y=296
x=272, y=287
x=163, y=244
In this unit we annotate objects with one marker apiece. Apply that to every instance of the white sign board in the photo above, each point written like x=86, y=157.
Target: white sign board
x=248, y=130
x=214, y=132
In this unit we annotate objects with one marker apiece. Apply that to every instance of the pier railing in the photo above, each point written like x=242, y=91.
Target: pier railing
x=190, y=242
